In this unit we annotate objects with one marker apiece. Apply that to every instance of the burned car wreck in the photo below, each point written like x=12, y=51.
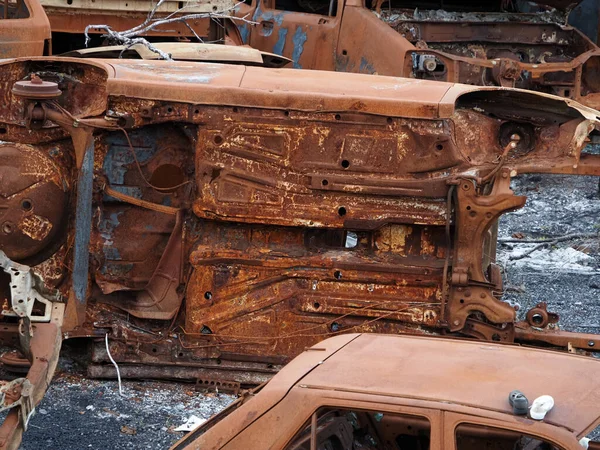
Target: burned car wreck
x=213, y=221
x=391, y=392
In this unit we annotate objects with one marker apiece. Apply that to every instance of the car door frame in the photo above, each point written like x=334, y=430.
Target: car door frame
x=302, y=402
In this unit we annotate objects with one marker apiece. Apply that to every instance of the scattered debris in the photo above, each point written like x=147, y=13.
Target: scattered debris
x=191, y=423
x=128, y=430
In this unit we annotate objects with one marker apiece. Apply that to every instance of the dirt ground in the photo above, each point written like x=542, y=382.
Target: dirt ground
x=78, y=413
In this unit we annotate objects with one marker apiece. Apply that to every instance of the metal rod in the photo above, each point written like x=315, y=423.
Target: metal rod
x=313, y=431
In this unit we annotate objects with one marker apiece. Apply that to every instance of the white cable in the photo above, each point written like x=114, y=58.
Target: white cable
x=114, y=364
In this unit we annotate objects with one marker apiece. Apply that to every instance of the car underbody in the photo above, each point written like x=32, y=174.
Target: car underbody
x=215, y=239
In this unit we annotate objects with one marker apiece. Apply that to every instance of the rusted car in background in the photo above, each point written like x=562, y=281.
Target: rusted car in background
x=69, y=20
x=46, y=27
x=24, y=29
x=411, y=393
x=491, y=44
x=209, y=222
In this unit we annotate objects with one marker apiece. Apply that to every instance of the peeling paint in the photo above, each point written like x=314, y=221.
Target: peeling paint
x=244, y=32
x=366, y=66
x=280, y=44
x=83, y=225
x=299, y=39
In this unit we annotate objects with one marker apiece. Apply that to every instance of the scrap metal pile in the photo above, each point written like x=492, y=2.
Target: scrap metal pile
x=215, y=219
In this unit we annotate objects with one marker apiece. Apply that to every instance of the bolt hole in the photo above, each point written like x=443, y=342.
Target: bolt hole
x=235, y=109
x=324, y=182
x=316, y=305
x=344, y=52
x=208, y=295
x=537, y=319
x=345, y=163
x=390, y=120
x=196, y=111
x=342, y=211
x=218, y=139
x=439, y=147
x=169, y=109
x=69, y=2
x=462, y=300
x=20, y=301
x=468, y=208
x=337, y=275
x=7, y=228
x=2, y=130
x=338, y=117
x=286, y=113
x=154, y=350
x=180, y=354
x=214, y=8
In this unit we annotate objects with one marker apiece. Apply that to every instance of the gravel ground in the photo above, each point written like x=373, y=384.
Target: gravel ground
x=78, y=413
x=566, y=275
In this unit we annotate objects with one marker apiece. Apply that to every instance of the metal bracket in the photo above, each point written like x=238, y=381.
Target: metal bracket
x=25, y=288
x=17, y=393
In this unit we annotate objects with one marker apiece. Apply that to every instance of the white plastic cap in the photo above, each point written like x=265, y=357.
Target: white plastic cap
x=540, y=407
x=584, y=442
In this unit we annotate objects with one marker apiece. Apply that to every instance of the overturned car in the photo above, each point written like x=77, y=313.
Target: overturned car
x=209, y=222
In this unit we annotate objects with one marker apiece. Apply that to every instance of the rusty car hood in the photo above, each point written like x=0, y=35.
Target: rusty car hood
x=418, y=367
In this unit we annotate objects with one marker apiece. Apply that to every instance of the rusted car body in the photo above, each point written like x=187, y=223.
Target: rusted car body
x=24, y=29
x=70, y=18
x=216, y=220
x=400, y=392
x=34, y=28
x=487, y=46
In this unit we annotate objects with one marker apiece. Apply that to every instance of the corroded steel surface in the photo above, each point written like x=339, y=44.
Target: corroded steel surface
x=492, y=46
x=216, y=220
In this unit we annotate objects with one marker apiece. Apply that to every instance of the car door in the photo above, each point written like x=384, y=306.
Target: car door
x=284, y=27
x=316, y=419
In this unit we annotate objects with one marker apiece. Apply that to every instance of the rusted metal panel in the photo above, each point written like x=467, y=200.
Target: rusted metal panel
x=216, y=221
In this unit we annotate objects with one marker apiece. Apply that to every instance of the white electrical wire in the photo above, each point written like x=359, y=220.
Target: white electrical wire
x=114, y=364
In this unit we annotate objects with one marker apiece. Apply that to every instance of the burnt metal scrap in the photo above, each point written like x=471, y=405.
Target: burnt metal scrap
x=491, y=44
x=216, y=220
